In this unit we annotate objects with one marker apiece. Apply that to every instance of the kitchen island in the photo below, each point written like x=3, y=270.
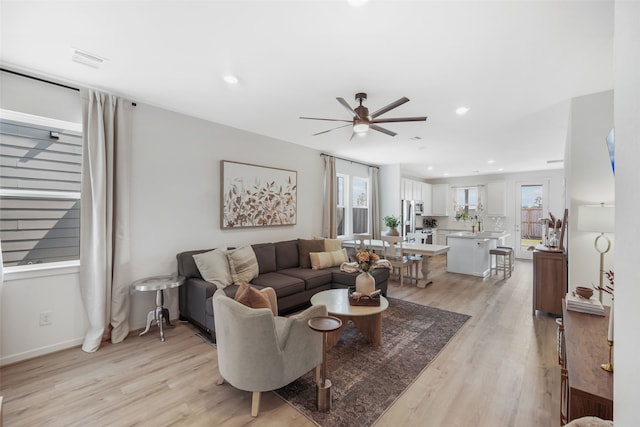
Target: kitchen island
x=469, y=251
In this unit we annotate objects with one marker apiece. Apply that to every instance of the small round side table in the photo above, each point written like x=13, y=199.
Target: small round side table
x=158, y=284
x=324, y=324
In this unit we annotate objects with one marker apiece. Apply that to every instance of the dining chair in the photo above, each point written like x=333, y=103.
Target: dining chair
x=392, y=251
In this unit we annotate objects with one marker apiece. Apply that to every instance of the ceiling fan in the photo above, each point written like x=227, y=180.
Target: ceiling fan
x=363, y=121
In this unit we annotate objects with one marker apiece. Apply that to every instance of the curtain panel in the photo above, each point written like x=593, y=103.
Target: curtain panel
x=329, y=215
x=375, y=201
x=104, y=226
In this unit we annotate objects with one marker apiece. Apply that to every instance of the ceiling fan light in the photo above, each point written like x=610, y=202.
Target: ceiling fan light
x=360, y=128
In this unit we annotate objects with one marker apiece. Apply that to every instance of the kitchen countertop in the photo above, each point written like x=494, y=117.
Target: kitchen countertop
x=480, y=235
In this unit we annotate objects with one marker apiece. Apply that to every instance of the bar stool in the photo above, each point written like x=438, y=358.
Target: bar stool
x=502, y=262
x=512, y=263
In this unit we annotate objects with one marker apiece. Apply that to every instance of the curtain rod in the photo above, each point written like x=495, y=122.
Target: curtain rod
x=39, y=79
x=349, y=160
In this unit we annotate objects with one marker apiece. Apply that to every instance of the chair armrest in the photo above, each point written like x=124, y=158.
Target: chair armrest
x=296, y=329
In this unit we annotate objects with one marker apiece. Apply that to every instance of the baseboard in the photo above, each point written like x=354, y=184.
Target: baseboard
x=8, y=360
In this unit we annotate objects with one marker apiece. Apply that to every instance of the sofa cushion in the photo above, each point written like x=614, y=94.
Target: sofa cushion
x=287, y=254
x=307, y=246
x=283, y=284
x=266, y=256
x=214, y=267
x=251, y=297
x=320, y=260
x=312, y=278
x=243, y=264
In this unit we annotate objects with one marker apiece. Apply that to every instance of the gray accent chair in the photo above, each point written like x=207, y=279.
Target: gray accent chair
x=259, y=351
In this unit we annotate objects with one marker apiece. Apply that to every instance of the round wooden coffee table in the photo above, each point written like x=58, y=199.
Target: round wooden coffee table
x=367, y=319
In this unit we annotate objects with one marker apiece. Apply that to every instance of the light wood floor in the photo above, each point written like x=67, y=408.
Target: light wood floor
x=499, y=370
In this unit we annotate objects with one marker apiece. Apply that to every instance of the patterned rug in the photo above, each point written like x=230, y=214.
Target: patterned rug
x=367, y=380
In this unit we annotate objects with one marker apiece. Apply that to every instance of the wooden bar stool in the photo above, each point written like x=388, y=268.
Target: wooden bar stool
x=502, y=262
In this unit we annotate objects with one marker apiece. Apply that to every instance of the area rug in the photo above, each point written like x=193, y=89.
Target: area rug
x=367, y=379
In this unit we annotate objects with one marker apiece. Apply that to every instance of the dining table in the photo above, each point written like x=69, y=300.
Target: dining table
x=427, y=250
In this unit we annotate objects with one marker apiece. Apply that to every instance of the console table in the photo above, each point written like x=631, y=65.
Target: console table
x=549, y=281
x=587, y=390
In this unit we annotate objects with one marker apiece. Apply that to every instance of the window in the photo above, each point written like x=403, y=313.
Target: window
x=466, y=202
x=352, y=209
x=360, y=205
x=40, y=179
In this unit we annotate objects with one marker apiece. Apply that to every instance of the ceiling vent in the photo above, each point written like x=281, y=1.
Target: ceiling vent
x=86, y=58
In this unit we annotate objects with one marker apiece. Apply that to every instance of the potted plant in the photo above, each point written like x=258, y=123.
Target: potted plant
x=392, y=222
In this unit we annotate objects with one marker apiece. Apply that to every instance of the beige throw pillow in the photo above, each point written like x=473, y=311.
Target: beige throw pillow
x=321, y=260
x=330, y=245
x=243, y=264
x=214, y=267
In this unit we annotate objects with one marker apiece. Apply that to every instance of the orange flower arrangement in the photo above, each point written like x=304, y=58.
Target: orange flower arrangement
x=366, y=260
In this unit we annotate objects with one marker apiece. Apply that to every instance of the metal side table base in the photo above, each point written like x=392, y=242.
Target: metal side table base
x=160, y=314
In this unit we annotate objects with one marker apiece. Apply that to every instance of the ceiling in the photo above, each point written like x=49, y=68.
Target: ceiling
x=515, y=64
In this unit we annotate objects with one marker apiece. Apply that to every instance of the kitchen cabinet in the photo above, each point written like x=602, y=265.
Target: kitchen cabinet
x=440, y=200
x=412, y=190
x=496, y=199
x=426, y=200
x=549, y=281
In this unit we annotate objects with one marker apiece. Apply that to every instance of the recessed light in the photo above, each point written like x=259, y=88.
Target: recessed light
x=230, y=79
x=500, y=169
x=446, y=174
x=430, y=168
x=491, y=161
x=461, y=111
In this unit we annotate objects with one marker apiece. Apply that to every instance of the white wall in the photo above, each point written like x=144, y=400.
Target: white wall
x=390, y=191
x=175, y=206
x=590, y=181
x=627, y=128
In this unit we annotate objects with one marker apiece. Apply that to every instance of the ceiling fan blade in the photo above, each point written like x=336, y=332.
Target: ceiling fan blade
x=348, y=107
x=329, y=120
x=389, y=107
x=325, y=131
x=383, y=130
x=400, y=119
x=352, y=135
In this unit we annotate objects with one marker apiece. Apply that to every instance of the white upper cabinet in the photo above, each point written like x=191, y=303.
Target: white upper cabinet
x=412, y=190
x=440, y=199
x=426, y=200
x=496, y=199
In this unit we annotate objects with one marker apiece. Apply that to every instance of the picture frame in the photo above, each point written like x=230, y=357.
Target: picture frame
x=257, y=196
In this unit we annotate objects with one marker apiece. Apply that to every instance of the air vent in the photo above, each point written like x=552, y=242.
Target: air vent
x=86, y=58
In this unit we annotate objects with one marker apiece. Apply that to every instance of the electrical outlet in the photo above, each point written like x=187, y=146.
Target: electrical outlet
x=45, y=318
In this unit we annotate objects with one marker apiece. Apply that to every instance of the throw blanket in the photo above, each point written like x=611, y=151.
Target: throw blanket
x=352, y=267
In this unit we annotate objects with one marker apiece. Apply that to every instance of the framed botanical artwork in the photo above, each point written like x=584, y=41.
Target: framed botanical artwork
x=257, y=196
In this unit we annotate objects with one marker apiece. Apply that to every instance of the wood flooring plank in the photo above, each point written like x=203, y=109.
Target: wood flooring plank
x=499, y=370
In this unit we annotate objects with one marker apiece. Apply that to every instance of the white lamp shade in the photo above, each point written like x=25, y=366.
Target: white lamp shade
x=598, y=218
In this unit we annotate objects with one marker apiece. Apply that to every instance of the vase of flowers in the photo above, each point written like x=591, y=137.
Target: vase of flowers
x=365, y=283
x=392, y=222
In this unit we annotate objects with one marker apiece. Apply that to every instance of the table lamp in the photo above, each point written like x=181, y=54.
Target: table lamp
x=600, y=219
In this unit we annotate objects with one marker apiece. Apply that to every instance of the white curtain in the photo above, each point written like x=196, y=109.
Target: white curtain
x=375, y=201
x=104, y=224
x=329, y=217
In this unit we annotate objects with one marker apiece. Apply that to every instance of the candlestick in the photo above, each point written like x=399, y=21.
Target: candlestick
x=609, y=366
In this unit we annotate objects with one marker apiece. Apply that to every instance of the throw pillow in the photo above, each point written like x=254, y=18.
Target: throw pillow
x=251, y=297
x=243, y=264
x=214, y=267
x=321, y=260
x=307, y=246
x=330, y=245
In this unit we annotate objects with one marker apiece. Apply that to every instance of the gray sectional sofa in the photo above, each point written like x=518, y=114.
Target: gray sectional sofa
x=279, y=267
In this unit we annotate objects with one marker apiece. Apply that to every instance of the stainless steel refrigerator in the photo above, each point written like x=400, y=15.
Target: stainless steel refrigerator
x=408, y=219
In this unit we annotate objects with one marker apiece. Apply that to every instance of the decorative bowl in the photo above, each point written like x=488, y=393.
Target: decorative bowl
x=584, y=292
